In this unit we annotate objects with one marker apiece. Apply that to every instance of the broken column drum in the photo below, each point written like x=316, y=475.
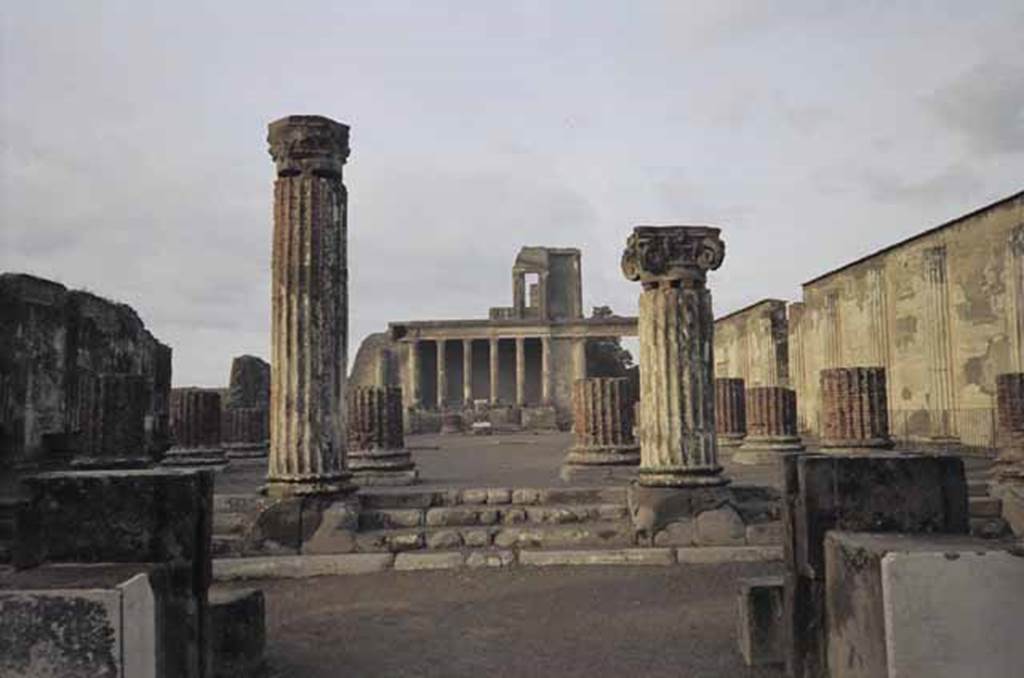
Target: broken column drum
x=730, y=411
x=1009, y=466
x=376, y=443
x=854, y=408
x=309, y=301
x=109, y=421
x=195, y=428
x=771, y=425
x=244, y=430
x=602, y=426
x=676, y=327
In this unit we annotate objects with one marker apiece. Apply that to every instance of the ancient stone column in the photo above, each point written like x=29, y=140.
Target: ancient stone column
x=309, y=324
x=520, y=371
x=771, y=425
x=109, y=421
x=677, y=427
x=376, y=444
x=545, y=370
x=493, y=357
x=442, y=375
x=730, y=411
x=467, y=373
x=1009, y=467
x=245, y=432
x=195, y=427
x=579, y=358
x=854, y=409
x=603, y=445
x=414, y=374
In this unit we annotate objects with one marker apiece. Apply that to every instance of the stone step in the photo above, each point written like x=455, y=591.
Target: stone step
x=596, y=533
x=492, y=496
x=487, y=514
x=977, y=488
x=985, y=507
x=227, y=522
x=227, y=546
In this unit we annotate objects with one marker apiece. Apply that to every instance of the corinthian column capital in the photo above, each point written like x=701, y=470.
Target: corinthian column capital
x=672, y=253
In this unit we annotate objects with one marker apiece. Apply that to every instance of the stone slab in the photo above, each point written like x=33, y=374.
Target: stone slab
x=237, y=622
x=954, y=613
x=607, y=473
x=650, y=556
x=429, y=561
x=713, y=555
x=299, y=567
x=856, y=599
x=497, y=558
x=760, y=624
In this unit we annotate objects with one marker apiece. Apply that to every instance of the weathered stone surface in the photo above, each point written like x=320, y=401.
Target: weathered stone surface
x=300, y=567
x=912, y=605
x=761, y=626
x=765, y=534
x=476, y=538
x=653, y=508
x=444, y=540
x=309, y=321
x=498, y=558
x=541, y=418
x=730, y=411
x=50, y=337
x=429, y=561
x=238, y=629
x=711, y=555
x=680, y=533
x=381, y=519
x=625, y=556
x=249, y=384
x=110, y=421
x=676, y=326
x=721, y=527
x=452, y=422
x=1009, y=466
x=603, y=423
x=245, y=432
x=855, y=410
x=880, y=493
x=376, y=442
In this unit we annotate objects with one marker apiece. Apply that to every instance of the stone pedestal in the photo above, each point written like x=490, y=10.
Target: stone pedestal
x=195, y=428
x=771, y=425
x=854, y=409
x=676, y=326
x=309, y=300
x=110, y=421
x=245, y=433
x=376, y=443
x=730, y=411
x=603, y=445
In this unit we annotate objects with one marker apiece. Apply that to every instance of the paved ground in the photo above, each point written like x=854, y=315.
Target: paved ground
x=506, y=460
x=588, y=622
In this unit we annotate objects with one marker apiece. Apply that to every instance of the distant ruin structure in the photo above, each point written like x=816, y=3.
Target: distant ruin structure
x=517, y=366
x=309, y=300
x=677, y=393
x=245, y=418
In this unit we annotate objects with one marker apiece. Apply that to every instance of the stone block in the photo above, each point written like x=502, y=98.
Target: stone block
x=476, y=538
x=499, y=496
x=444, y=540
x=84, y=621
x=628, y=556
x=300, y=567
x=652, y=508
x=429, y=561
x=539, y=418
x=525, y=496
x=513, y=516
x=474, y=496
x=382, y=519
x=721, y=527
x=454, y=516
x=680, y=533
x=239, y=636
x=765, y=534
x=306, y=524
x=500, y=558
x=921, y=605
x=715, y=555
x=761, y=626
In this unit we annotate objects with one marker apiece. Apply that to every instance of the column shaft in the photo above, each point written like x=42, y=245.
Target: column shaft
x=414, y=374
x=442, y=375
x=520, y=371
x=376, y=441
x=493, y=356
x=730, y=411
x=771, y=425
x=545, y=370
x=855, y=412
x=467, y=372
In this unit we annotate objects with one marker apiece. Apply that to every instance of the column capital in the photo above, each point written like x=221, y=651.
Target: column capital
x=672, y=253
x=308, y=144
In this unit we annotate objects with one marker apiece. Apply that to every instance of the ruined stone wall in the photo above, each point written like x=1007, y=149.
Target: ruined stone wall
x=752, y=344
x=942, y=313
x=49, y=338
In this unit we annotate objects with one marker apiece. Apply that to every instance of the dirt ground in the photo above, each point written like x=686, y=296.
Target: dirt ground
x=535, y=622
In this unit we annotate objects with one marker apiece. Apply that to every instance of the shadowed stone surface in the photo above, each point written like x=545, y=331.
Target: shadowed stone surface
x=761, y=621
x=110, y=421
x=238, y=629
x=196, y=427
x=730, y=411
x=249, y=384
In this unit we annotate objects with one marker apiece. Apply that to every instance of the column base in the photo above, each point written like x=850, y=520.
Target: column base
x=379, y=460
x=370, y=478
x=247, y=450
x=198, y=456
x=731, y=439
x=681, y=476
x=765, y=449
x=336, y=484
x=605, y=455
x=597, y=474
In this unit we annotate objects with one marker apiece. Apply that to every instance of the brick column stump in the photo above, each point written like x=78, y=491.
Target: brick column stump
x=854, y=409
x=730, y=412
x=245, y=432
x=604, y=446
x=771, y=426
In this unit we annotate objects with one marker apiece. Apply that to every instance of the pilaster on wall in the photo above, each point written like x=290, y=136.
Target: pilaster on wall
x=878, y=310
x=940, y=355
x=1016, y=251
x=833, y=331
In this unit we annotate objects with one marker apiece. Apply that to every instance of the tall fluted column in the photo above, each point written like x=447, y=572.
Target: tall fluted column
x=771, y=425
x=493, y=357
x=730, y=411
x=467, y=372
x=195, y=427
x=545, y=370
x=854, y=409
x=309, y=324
x=676, y=326
x=414, y=374
x=376, y=442
x=109, y=421
x=520, y=371
x=442, y=375
x=603, y=446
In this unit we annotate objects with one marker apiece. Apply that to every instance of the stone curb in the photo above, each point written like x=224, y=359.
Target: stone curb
x=298, y=567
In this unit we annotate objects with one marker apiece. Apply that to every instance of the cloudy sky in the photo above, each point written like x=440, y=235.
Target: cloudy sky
x=133, y=158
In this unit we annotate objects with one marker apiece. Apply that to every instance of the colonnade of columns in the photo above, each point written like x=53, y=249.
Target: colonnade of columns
x=494, y=365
